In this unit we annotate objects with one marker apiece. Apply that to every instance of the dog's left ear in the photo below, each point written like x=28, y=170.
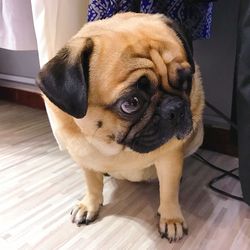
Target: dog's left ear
x=64, y=79
x=186, y=42
x=180, y=77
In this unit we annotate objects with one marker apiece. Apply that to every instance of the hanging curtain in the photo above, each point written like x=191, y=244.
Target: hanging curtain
x=55, y=22
x=45, y=25
x=16, y=25
x=194, y=15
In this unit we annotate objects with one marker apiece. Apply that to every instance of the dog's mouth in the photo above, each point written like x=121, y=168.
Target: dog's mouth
x=157, y=135
x=160, y=127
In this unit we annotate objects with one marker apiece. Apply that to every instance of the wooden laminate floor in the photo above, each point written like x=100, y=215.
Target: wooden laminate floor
x=39, y=185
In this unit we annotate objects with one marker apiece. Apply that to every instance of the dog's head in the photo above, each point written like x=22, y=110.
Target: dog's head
x=126, y=81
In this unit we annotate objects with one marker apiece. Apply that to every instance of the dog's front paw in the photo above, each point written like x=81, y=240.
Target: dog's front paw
x=85, y=211
x=172, y=229
x=172, y=225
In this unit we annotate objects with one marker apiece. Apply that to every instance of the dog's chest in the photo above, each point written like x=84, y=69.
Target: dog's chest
x=125, y=165
x=121, y=162
x=145, y=174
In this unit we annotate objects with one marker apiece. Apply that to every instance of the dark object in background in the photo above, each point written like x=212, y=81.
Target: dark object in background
x=242, y=96
x=194, y=15
x=200, y=1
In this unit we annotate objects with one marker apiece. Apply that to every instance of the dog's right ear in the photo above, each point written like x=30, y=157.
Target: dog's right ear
x=64, y=79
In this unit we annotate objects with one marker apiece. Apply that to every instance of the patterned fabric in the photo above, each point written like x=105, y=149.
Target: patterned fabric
x=195, y=17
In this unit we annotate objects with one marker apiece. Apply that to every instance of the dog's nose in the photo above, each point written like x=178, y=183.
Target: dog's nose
x=172, y=110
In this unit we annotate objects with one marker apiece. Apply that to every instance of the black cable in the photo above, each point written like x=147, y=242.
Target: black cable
x=220, y=177
x=202, y=159
x=225, y=172
x=215, y=180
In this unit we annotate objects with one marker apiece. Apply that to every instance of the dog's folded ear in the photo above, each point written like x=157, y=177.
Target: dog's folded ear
x=186, y=40
x=64, y=79
x=180, y=74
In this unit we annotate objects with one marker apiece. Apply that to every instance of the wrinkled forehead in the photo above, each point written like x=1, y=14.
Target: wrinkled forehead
x=132, y=26
x=126, y=49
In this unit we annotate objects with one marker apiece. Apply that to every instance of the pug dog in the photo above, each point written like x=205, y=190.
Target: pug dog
x=125, y=98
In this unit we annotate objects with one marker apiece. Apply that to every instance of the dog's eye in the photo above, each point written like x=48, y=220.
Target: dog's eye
x=131, y=105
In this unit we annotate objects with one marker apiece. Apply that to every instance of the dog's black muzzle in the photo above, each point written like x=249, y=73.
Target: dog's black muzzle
x=172, y=117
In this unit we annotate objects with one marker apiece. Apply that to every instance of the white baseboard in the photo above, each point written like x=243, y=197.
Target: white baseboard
x=21, y=86
x=30, y=87
x=21, y=79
